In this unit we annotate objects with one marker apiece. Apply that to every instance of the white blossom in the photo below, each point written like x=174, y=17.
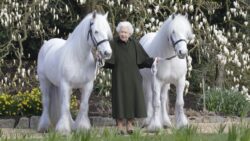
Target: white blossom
x=236, y=35
x=149, y=11
x=239, y=46
x=172, y=2
x=130, y=8
x=238, y=64
x=175, y=8
x=107, y=93
x=160, y=23
x=67, y=8
x=137, y=30
x=156, y=9
x=191, y=8
x=226, y=51
x=222, y=59
x=236, y=5
x=5, y=79
x=28, y=72
x=243, y=36
x=196, y=18
x=152, y=19
x=100, y=81
x=233, y=10
x=234, y=28
x=82, y=1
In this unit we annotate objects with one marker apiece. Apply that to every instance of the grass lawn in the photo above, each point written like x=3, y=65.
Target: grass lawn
x=235, y=133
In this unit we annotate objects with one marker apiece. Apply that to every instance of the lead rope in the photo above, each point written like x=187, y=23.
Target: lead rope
x=98, y=62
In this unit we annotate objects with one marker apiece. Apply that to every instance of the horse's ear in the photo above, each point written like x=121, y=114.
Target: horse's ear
x=186, y=15
x=106, y=15
x=191, y=36
x=94, y=14
x=173, y=16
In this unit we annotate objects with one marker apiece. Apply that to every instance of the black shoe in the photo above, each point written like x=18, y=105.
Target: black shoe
x=130, y=131
x=120, y=132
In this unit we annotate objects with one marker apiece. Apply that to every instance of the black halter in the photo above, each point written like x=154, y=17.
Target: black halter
x=90, y=33
x=174, y=43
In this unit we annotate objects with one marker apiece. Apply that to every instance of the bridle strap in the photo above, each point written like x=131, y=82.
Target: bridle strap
x=169, y=58
x=104, y=40
x=90, y=34
x=174, y=43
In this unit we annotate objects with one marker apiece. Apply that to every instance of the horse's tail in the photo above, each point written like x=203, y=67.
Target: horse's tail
x=54, y=104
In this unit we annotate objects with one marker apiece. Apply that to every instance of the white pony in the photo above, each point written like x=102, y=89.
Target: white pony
x=67, y=64
x=170, y=41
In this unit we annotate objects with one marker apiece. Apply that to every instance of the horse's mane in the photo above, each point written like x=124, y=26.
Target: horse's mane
x=178, y=23
x=80, y=33
x=175, y=22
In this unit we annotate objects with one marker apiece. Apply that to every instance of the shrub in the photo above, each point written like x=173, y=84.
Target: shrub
x=26, y=103
x=7, y=105
x=227, y=102
x=29, y=103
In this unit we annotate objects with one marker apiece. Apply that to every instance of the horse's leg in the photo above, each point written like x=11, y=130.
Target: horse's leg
x=82, y=120
x=165, y=106
x=155, y=122
x=63, y=125
x=181, y=119
x=149, y=101
x=44, y=122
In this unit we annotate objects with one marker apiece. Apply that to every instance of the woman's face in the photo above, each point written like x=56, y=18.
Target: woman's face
x=124, y=34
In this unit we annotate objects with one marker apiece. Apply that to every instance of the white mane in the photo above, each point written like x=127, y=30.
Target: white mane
x=177, y=23
x=79, y=36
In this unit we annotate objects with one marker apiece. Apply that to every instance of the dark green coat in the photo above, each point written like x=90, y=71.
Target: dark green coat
x=127, y=93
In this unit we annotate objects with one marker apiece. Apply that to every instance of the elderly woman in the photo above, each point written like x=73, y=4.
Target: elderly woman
x=127, y=93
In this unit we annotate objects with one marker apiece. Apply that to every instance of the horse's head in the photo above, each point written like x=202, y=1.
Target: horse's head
x=181, y=35
x=180, y=44
x=99, y=35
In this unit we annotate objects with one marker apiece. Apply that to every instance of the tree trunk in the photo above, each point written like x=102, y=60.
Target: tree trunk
x=220, y=72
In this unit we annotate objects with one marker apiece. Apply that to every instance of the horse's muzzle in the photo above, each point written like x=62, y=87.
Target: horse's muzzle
x=181, y=55
x=106, y=55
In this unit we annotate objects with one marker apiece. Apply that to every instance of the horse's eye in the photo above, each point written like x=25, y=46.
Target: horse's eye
x=96, y=32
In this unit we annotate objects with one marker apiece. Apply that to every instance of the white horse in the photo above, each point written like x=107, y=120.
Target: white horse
x=67, y=64
x=168, y=43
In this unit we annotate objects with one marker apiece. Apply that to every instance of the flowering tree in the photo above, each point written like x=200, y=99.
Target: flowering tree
x=222, y=44
x=24, y=25
x=31, y=21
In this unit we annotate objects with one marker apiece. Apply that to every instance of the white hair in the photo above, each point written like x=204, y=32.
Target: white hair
x=125, y=24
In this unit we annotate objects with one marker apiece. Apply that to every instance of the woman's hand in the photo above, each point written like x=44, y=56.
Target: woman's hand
x=154, y=65
x=158, y=59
